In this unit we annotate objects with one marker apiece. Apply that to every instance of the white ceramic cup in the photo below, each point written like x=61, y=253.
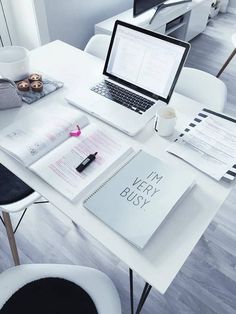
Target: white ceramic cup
x=165, y=121
x=14, y=62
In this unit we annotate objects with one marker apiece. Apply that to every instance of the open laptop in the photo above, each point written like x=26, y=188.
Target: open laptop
x=139, y=76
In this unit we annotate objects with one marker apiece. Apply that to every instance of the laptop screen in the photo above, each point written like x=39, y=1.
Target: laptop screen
x=144, y=60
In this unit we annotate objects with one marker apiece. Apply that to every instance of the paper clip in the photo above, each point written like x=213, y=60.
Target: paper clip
x=76, y=132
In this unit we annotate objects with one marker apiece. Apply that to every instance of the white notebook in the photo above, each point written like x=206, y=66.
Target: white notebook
x=139, y=196
x=41, y=142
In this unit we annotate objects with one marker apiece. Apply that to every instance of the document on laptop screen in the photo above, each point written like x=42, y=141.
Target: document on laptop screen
x=145, y=61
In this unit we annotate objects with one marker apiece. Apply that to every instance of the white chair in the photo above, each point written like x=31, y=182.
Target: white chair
x=51, y=288
x=202, y=87
x=98, y=46
x=15, y=196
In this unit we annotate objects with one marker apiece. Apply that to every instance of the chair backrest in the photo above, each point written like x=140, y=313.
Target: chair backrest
x=98, y=45
x=202, y=87
x=95, y=283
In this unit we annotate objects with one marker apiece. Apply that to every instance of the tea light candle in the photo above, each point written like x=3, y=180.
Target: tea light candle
x=35, y=77
x=23, y=86
x=37, y=86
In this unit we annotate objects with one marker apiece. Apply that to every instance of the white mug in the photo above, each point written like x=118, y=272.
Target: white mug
x=14, y=62
x=165, y=121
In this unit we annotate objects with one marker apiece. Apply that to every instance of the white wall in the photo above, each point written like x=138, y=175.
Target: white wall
x=73, y=20
x=22, y=23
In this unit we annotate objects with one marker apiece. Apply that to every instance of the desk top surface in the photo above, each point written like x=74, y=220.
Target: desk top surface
x=159, y=262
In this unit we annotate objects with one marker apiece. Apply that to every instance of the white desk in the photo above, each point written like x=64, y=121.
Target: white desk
x=172, y=243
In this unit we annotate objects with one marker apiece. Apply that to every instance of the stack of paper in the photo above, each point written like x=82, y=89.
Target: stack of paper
x=208, y=144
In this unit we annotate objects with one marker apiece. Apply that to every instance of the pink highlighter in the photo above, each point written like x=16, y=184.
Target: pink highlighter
x=76, y=133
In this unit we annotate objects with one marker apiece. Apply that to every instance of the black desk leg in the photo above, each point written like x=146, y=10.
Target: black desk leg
x=145, y=293
x=131, y=289
x=143, y=298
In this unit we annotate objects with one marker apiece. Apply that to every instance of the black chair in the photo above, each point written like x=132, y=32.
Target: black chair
x=15, y=196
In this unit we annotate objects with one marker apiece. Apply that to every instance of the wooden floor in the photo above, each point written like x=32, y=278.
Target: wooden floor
x=210, y=50
x=206, y=283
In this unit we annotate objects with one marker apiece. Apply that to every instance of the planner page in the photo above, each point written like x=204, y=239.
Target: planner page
x=30, y=138
x=58, y=168
x=210, y=146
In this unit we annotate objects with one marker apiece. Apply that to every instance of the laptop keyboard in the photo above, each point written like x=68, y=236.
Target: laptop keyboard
x=123, y=96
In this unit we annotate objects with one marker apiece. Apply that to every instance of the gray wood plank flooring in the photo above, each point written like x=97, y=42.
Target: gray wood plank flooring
x=206, y=283
x=210, y=50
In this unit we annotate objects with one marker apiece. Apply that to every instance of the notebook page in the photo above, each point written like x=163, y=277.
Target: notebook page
x=58, y=168
x=210, y=146
x=32, y=137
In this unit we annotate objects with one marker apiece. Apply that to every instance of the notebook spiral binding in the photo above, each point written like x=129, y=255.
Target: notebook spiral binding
x=114, y=174
x=231, y=173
